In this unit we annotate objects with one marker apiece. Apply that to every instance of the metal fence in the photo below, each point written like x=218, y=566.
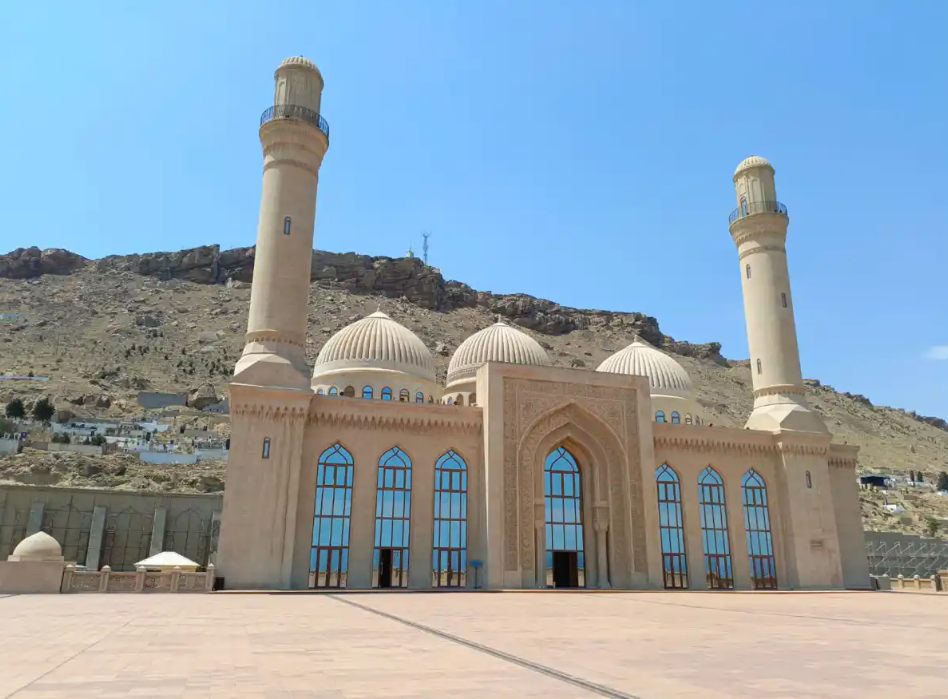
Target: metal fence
x=906, y=555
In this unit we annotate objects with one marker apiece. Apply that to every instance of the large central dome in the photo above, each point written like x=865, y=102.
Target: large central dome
x=375, y=342
x=498, y=343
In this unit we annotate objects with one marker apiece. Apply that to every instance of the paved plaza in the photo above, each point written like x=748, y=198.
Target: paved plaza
x=485, y=645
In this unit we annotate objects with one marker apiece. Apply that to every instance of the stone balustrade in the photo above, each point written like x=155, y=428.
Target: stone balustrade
x=105, y=580
x=916, y=583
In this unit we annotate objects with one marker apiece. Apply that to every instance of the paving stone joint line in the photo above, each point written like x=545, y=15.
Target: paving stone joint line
x=599, y=689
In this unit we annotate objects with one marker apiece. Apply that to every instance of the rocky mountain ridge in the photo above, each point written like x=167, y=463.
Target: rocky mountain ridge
x=406, y=278
x=102, y=330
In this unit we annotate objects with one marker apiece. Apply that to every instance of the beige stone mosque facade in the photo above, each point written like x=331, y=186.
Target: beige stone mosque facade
x=364, y=472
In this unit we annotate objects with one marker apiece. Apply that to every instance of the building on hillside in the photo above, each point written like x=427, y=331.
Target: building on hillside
x=365, y=472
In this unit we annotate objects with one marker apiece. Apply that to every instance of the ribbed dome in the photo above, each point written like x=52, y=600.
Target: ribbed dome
x=376, y=342
x=301, y=62
x=753, y=161
x=498, y=343
x=666, y=377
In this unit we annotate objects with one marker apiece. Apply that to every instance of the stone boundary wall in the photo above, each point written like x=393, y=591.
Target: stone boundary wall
x=86, y=449
x=99, y=527
x=155, y=401
x=105, y=580
x=9, y=447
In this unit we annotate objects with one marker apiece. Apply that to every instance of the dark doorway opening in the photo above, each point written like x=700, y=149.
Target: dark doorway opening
x=565, y=569
x=385, y=567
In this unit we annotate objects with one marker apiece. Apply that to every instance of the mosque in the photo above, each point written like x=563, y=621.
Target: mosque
x=365, y=472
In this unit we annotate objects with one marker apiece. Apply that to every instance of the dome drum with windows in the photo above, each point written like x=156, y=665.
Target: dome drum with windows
x=673, y=397
x=376, y=357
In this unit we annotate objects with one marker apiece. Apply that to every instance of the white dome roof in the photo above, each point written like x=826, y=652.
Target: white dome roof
x=753, y=161
x=498, y=343
x=376, y=342
x=38, y=547
x=666, y=377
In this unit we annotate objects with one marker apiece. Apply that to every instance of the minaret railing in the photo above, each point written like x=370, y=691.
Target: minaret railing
x=757, y=207
x=295, y=111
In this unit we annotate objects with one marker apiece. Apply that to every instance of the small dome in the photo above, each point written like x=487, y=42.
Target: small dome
x=666, y=377
x=299, y=62
x=38, y=547
x=753, y=161
x=376, y=342
x=498, y=343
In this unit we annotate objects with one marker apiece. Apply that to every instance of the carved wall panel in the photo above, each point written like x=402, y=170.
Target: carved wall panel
x=535, y=409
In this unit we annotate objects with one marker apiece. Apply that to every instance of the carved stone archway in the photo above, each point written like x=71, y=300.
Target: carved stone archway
x=603, y=469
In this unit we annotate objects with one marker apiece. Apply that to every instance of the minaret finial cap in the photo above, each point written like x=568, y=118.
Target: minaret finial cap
x=753, y=161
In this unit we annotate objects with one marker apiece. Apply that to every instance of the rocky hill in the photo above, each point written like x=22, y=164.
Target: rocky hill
x=102, y=330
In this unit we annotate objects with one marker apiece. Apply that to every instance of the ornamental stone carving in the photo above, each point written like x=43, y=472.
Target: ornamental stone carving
x=533, y=410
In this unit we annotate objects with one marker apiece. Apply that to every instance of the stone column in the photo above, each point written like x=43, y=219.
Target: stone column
x=35, y=522
x=158, y=531
x=96, y=533
x=539, y=523
x=602, y=527
x=362, y=519
x=215, y=536
x=422, y=519
x=737, y=535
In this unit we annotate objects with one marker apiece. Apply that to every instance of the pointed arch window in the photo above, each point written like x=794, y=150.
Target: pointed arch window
x=367, y=392
x=386, y=393
x=659, y=416
x=743, y=206
x=687, y=418
x=286, y=226
x=329, y=558
x=449, y=548
x=671, y=528
x=403, y=395
x=419, y=397
x=319, y=391
x=714, y=531
x=747, y=271
x=266, y=448
x=333, y=391
x=676, y=418
x=783, y=299
x=392, y=520
x=565, y=559
x=760, y=546
x=760, y=366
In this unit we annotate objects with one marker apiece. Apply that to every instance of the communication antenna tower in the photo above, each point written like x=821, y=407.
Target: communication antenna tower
x=424, y=248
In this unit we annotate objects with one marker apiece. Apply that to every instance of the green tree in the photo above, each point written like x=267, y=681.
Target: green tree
x=15, y=409
x=932, y=526
x=942, y=483
x=43, y=410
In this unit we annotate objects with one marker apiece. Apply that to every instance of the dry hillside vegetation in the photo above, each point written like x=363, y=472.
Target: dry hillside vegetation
x=104, y=330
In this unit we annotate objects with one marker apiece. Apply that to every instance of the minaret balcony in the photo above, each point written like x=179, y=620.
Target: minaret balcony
x=295, y=111
x=753, y=208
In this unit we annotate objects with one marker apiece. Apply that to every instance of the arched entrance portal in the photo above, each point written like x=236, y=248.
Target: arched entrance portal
x=562, y=484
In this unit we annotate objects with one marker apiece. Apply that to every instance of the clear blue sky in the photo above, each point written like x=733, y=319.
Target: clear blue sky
x=581, y=152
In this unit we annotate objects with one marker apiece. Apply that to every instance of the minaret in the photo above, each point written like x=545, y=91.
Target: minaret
x=294, y=138
x=759, y=229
